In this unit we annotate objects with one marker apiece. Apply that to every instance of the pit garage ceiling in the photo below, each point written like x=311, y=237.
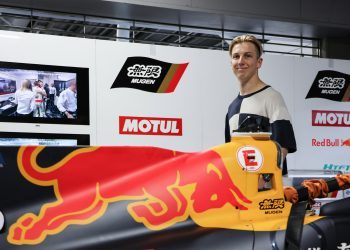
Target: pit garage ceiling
x=308, y=18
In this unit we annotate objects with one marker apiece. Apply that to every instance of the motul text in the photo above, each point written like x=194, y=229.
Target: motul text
x=330, y=118
x=133, y=125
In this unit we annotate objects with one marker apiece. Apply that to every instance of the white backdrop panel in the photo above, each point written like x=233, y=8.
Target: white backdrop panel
x=51, y=50
x=308, y=156
x=201, y=98
x=183, y=103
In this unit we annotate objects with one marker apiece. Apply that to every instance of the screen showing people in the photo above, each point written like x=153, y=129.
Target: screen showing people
x=34, y=93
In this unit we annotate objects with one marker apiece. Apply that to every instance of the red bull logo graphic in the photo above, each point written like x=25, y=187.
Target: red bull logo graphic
x=346, y=143
x=330, y=142
x=163, y=186
x=250, y=158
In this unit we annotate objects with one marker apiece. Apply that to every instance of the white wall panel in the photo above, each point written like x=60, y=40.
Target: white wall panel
x=201, y=98
x=51, y=50
x=183, y=103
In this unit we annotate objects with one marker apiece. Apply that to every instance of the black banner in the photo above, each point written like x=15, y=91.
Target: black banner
x=331, y=85
x=149, y=75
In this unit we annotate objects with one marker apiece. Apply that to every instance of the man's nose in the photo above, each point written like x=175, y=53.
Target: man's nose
x=241, y=60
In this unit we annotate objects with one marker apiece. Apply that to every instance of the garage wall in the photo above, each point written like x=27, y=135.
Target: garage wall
x=200, y=99
x=51, y=50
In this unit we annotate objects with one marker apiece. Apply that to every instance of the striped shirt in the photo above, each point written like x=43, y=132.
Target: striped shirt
x=268, y=106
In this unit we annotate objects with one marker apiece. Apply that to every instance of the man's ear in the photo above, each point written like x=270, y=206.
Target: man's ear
x=260, y=61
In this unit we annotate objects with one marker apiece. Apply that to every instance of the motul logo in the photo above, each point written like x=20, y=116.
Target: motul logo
x=330, y=118
x=132, y=125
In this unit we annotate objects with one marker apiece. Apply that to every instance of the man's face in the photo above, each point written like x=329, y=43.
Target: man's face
x=245, y=61
x=73, y=87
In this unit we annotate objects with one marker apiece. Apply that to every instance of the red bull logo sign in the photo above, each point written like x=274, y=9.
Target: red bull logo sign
x=346, y=143
x=326, y=142
x=163, y=186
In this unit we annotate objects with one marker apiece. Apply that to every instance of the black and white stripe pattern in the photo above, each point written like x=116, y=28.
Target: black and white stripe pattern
x=268, y=105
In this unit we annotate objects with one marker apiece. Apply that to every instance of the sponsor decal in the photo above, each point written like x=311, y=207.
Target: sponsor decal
x=330, y=142
x=336, y=167
x=133, y=125
x=87, y=180
x=273, y=212
x=346, y=142
x=331, y=85
x=344, y=246
x=346, y=193
x=330, y=118
x=149, y=75
x=316, y=207
x=269, y=204
x=250, y=158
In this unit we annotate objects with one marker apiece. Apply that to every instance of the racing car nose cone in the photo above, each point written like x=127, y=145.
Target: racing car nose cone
x=1, y=220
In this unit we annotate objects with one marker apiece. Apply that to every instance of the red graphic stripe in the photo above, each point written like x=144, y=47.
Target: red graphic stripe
x=177, y=76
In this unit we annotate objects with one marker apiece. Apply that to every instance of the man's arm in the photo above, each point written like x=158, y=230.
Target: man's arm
x=284, y=152
x=62, y=99
x=15, y=100
x=43, y=92
x=32, y=102
x=227, y=130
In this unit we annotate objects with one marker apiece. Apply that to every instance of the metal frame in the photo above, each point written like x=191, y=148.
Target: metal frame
x=58, y=23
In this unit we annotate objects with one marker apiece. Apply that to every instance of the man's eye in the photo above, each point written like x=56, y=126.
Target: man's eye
x=235, y=57
x=248, y=56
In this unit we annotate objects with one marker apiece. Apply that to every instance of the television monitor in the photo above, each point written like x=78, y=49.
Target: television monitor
x=36, y=93
x=19, y=139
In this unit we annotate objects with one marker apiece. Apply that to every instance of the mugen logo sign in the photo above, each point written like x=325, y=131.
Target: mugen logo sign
x=133, y=125
x=271, y=205
x=331, y=85
x=149, y=75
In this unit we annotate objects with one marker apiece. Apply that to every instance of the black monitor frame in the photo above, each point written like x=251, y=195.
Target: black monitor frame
x=83, y=106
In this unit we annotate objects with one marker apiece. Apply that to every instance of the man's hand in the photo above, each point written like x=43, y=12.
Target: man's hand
x=284, y=153
x=69, y=116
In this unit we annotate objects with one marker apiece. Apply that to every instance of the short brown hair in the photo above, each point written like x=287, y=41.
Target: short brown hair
x=247, y=38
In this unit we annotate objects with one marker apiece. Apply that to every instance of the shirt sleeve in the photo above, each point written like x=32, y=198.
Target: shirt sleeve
x=16, y=98
x=32, y=102
x=227, y=130
x=281, y=127
x=61, y=101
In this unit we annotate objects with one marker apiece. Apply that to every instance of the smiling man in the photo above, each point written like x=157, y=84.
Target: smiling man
x=257, y=102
